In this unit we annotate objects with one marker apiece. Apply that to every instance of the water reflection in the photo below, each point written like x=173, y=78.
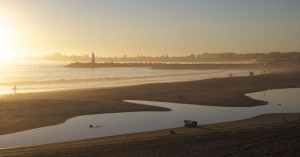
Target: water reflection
x=122, y=123
x=31, y=77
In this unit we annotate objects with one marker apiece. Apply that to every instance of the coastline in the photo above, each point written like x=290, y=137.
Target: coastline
x=193, y=66
x=32, y=110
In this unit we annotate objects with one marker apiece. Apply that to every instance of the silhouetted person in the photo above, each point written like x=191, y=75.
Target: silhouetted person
x=15, y=89
x=251, y=73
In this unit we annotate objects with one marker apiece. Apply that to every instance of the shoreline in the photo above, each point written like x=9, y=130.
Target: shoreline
x=203, y=140
x=22, y=111
x=31, y=110
x=219, y=74
x=74, y=84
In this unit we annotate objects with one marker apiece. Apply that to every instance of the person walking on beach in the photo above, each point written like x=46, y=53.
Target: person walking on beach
x=15, y=89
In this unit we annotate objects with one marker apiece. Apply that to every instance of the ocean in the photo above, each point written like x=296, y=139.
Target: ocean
x=52, y=76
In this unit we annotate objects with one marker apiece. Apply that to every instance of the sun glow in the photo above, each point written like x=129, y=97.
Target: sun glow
x=4, y=57
x=6, y=53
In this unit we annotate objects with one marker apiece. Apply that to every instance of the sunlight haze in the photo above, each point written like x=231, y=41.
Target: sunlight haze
x=148, y=78
x=148, y=27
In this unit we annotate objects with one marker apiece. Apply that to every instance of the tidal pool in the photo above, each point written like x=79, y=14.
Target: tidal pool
x=77, y=128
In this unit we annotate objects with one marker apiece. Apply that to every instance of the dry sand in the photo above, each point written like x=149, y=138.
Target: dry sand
x=25, y=111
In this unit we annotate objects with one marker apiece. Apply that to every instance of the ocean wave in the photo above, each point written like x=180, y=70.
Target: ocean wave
x=61, y=81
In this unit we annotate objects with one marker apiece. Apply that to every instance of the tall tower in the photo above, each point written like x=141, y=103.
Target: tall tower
x=93, y=58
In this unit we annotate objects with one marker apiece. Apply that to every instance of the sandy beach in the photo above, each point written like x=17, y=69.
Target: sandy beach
x=266, y=135
x=149, y=78
x=32, y=110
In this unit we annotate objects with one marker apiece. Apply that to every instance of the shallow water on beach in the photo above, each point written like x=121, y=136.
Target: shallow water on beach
x=280, y=101
x=52, y=76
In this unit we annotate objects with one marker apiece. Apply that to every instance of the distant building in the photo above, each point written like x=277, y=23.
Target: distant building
x=93, y=58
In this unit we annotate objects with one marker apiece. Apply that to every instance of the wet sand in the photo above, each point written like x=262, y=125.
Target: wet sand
x=266, y=135
x=26, y=111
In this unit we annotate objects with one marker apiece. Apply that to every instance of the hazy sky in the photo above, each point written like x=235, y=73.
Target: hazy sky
x=149, y=27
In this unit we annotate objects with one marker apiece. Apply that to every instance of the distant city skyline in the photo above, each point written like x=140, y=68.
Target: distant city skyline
x=148, y=27
x=206, y=57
